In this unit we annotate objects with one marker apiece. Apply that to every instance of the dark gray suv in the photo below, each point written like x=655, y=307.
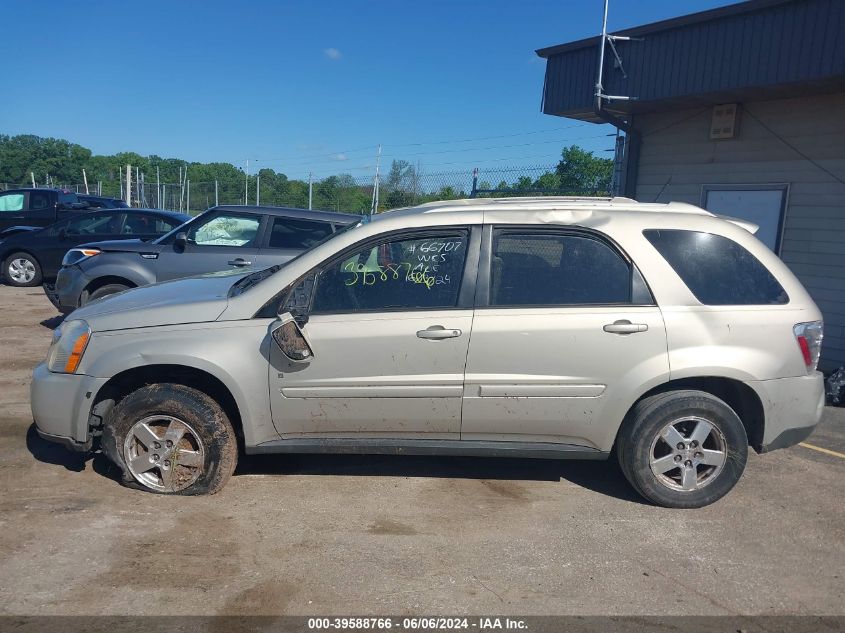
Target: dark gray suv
x=222, y=238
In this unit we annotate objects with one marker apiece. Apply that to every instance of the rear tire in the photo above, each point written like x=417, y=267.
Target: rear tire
x=22, y=270
x=682, y=449
x=171, y=439
x=105, y=291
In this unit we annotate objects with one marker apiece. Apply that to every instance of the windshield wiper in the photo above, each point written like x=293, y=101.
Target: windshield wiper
x=249, y=281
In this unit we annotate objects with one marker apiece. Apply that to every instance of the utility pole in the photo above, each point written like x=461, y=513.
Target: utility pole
x=129, y=185
x=258, y=189
x=188, y=199
x=310, y=190
x=85, y=180
x=32, y=174
x=246, y=183
x=158, y=189
x=216, y=197
x=374, y=207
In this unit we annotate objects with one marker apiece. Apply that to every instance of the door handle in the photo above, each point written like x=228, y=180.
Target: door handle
x=240, y=261
x=437, y=332
x=624, y=326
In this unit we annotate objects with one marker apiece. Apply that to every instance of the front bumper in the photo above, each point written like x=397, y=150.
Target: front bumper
x=70, y=282
x=61, y=406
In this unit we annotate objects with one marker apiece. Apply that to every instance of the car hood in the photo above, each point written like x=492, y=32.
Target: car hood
x=125, y=246
x=190, y=300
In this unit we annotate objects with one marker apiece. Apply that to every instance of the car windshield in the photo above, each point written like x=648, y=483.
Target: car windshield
x=251, y=280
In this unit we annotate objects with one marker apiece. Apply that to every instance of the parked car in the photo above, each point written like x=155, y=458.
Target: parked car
x=101, y=202
x=24, y=208
x=30, y=257
x=222, y=237
x=557, y=328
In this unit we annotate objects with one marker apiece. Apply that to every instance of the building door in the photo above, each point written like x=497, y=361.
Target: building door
x=762, y=204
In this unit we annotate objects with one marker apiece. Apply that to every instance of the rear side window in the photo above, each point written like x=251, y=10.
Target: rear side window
x=144, y=224
x=298, y=234
x=717, y=270
x=38, y=201
x=67, y=197
x=531, y=269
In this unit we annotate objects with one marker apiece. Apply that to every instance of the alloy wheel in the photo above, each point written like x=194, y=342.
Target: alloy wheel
x=688, y=454
x=164, y=453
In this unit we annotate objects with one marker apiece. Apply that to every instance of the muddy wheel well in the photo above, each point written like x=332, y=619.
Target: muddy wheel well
x=736, y=394
x=124, y=383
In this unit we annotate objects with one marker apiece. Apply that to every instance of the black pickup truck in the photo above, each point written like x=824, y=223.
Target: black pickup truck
x=25, y=208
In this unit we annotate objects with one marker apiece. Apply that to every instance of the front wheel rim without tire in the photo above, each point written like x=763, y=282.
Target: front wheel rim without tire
x=164, y=453
x=21, y=271
x=688, y=454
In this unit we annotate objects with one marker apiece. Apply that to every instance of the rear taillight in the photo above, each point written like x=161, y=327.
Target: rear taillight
x=809, y=337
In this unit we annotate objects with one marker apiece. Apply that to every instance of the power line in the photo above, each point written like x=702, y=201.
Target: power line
x=451, y=151
x=371, y=148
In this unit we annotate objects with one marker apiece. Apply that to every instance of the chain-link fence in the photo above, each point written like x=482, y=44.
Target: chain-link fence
x=403, y=185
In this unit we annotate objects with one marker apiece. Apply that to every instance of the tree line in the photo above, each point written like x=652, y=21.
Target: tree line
x=403, y=184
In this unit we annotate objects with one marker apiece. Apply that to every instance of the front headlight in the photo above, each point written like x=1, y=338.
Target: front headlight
x=76, y=255
x=69, y=342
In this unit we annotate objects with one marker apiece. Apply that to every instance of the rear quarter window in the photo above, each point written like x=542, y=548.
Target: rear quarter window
x=717, y=270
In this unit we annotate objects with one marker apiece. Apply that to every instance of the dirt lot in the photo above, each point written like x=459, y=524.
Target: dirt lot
x=378, y=535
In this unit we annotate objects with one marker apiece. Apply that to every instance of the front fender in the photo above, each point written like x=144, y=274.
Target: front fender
x=128, y=266
x=235, y=353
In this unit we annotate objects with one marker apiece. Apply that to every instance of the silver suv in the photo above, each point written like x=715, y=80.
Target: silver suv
x=549, y=327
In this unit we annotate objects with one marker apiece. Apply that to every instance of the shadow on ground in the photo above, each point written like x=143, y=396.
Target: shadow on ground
x=53, y=322
x=52, y=453
x=603, y=477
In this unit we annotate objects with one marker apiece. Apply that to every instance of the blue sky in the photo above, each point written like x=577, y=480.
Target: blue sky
x=304, y=86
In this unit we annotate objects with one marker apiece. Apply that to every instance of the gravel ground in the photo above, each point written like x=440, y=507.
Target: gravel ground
x=384, y=535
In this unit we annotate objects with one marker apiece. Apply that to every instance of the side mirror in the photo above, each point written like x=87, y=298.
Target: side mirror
x=181, y=241
x=298, y=300
x=291, y=340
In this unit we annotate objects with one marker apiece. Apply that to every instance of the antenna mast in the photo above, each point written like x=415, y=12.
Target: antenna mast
x=374, y=206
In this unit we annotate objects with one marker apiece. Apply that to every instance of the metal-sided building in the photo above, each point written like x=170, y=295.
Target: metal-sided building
x=740, y=110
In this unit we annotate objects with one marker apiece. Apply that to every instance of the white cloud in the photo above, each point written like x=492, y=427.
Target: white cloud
x=340, y=157
x=332, y=53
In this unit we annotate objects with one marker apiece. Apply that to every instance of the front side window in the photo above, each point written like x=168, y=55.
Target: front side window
x=405, y=273
x=542, y=269
x=717, y=270
x=11, y=202
x=226, y=230
x=298, y=234
x=94, y=224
